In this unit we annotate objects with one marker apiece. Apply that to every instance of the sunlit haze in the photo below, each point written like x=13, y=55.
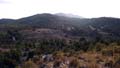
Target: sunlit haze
x=85, y=8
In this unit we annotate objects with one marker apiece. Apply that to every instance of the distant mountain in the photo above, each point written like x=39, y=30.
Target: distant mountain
x=4, y=21
x=71, y=25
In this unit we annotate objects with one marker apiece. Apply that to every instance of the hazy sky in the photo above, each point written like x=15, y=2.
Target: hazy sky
x=85, y=8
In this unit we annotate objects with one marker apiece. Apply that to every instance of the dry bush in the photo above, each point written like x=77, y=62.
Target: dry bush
x=29, y=64
x=92, y=65
x=74, y=63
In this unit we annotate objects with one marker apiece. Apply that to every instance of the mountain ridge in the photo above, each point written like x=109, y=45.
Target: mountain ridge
x=92, y=27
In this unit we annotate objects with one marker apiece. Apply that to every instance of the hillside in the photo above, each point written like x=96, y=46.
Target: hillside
x=104, y=26
x=59, y=41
